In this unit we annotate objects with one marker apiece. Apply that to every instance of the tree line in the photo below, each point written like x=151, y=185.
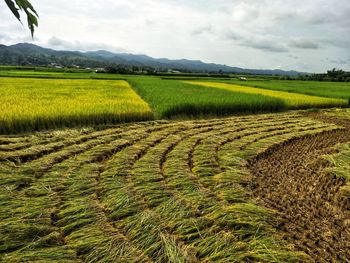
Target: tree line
x=335, y=75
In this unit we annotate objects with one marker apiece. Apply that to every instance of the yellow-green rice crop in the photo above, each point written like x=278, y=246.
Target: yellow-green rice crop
x=33, y=104
x=293, y=100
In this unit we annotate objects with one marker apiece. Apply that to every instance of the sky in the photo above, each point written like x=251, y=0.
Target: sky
x=302, y=35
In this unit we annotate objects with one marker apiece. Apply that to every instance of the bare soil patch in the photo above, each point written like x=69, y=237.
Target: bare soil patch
x=291, y=178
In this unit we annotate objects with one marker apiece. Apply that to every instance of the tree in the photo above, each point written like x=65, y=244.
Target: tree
x=25, y=6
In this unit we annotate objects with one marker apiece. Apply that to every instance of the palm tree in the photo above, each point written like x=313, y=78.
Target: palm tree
x=24, y=5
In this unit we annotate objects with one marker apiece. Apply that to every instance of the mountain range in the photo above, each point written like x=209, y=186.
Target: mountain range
x=32, y=55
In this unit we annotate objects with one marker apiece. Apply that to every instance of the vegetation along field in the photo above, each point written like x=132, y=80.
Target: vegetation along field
x=178, y=191
x=316, y=88
x=292, y=100
x=169, y=98
x=51, y=100
x=32, y=104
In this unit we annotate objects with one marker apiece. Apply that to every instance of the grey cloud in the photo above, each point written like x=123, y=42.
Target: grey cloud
x=265, y=45
x=339, y=61
x=202, y=30
x=256, y=42
x=293, y=56
x=58, y=43
x=7, y=38
x=310, y=13
x=233, y=36
x=3, y=37
x=303, y=43
x=303, y=66
x=316, y=19
x=338, y=16
x=338, y=41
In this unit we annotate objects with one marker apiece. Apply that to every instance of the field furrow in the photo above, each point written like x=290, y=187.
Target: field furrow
x=169, y=191
x=205, y=162
x=163, y=132
x=292, y=179
x=59, y=182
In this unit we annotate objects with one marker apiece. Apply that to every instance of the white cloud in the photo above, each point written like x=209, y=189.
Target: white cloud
x=61, y=44
x=291, y=34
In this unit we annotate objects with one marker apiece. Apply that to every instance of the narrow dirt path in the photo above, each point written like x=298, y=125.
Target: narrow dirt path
x=291, y=179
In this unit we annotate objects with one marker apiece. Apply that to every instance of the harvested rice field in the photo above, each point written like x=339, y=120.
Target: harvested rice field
x=254, y=188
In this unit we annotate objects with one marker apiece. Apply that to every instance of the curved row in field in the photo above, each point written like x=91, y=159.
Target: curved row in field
x=340, y=161
x=341, y=168
x=147, y=192
x=310, y=194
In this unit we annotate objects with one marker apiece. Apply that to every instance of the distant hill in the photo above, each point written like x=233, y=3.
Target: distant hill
x=29, y=54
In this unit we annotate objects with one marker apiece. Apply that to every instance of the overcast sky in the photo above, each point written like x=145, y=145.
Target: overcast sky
x=303, y=35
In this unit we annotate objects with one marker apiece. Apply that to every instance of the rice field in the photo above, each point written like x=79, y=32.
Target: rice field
x=161, y=191
x=292, y=100
x=340, y=90
x=36, y=104
x=173, y=98
x=32, y=104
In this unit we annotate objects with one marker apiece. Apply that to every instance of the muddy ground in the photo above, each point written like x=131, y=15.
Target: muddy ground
x=291, y=178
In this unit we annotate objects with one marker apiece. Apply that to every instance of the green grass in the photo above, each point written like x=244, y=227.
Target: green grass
x=292, y=100
x=339, y=90
x=169, y=98
x=35, y=104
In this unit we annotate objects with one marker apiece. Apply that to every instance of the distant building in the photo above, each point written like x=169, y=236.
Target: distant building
x=174, y=71
x=100, y=70
x=243, y=78
x=55, y=65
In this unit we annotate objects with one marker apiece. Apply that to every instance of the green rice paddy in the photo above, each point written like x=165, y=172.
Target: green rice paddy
x=170, y=98
x=292, y=100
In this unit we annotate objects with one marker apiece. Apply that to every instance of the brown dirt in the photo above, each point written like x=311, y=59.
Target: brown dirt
x=311, y=213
